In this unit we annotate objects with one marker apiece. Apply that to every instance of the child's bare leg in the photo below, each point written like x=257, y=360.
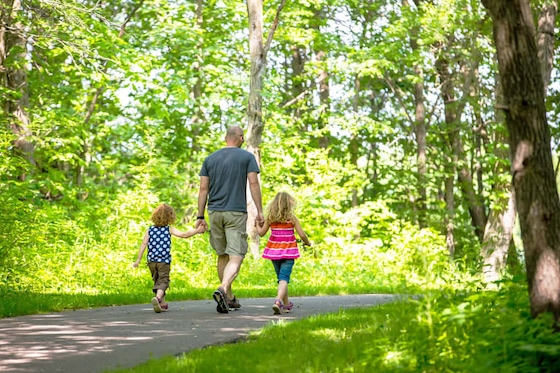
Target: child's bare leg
x=161, y=296
x=283, y=291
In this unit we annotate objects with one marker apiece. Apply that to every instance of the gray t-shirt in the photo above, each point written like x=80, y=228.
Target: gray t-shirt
x=227, y=169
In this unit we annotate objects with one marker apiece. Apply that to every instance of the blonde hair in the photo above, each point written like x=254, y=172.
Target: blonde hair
x=281, y=208
x=163, y=215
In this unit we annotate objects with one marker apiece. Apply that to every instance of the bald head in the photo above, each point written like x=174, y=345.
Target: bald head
x=234, y=136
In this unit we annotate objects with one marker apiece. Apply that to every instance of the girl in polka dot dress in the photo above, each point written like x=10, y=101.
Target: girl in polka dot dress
x=281, y=247
x=158, y=241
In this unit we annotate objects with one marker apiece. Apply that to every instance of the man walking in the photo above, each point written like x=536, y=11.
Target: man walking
x=223, y=185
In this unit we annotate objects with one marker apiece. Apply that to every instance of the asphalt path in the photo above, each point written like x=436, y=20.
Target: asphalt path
x=101, y=339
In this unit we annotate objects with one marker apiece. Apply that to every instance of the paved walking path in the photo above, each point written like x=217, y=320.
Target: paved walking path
x=101, y=339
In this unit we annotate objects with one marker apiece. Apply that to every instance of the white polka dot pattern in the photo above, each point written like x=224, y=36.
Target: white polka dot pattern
x=159, y=245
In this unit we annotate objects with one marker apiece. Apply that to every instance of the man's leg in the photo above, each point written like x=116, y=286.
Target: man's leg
x=230, y=272
x=235, y=227
x=220, y=294
x=221, y=265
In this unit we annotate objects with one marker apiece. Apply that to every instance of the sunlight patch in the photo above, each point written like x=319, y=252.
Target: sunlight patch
x=394, y=359
x=330, y=334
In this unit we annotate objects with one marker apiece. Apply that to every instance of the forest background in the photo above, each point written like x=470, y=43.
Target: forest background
x=382, y=118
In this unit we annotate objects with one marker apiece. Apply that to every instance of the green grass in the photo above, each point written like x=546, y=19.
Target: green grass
x=482, y=332
x=93, y=280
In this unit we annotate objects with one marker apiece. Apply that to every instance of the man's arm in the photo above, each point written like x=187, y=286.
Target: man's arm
x=202, y=198
x=255, y=188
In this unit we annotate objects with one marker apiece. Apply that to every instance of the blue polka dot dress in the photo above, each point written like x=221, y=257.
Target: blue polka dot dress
x=159, y=244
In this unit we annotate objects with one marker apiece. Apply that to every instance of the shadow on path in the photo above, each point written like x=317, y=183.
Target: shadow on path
x=122, y=337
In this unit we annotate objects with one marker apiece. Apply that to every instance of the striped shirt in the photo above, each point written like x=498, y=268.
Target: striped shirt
x=282, y=242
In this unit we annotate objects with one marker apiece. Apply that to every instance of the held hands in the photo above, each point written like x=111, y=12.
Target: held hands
x=201, y=224
x=201, y=228
x=259, y=219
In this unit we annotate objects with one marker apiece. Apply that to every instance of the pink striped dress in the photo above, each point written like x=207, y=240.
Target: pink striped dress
x=282, y=242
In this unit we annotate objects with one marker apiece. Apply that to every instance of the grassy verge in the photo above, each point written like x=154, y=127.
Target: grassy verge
x=483, y=332
x=90, y=284
x=81, y=255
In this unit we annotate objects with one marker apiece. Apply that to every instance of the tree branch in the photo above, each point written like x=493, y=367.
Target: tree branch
x=273, y=29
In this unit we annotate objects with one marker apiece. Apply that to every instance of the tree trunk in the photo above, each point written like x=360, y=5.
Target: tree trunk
x=354, y=146
x=477, y=209
x=497, y=238
x=322, y=84
x=536, y=193
x=449, y=214
x=324, y=99
x=497, y=244
x=421, y=143
x=254, y=109
x=13, y=44
x=453, y=112
x=545, y=41
x=298, y=60
x=498, y=249
x=258, y=53
x=420, y=132
x=198, y=118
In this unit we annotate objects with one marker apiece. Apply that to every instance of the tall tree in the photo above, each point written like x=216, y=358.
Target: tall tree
x=258, y=52
x=198, y=117
x=322, y=79
x=419, y=127
x=13, y=77
x=497, y=243
x=498, y=248
x=536, y=193
x=453, y=110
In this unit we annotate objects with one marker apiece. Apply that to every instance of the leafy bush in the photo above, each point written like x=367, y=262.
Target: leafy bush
x=88, y=247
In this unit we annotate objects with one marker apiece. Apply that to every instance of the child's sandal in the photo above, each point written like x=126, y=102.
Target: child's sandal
x=156, y=305
x=277, y=307
x=288, y=307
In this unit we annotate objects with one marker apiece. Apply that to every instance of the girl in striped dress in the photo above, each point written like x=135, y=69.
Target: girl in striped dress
x=281, y=247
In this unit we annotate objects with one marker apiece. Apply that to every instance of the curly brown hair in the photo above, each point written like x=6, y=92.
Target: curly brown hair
x=163, y=215
x=281, y=208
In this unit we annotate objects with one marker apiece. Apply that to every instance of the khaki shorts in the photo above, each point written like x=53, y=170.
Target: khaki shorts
x=160, y=275
x=228, y=232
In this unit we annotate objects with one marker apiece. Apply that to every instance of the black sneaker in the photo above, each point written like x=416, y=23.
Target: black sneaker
x=221, y=298
x=233, y=304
